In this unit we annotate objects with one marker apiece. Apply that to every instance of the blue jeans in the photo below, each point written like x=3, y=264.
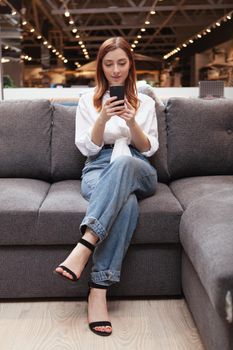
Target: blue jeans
x=113, y=190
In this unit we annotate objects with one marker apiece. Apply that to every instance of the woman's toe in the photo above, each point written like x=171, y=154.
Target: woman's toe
x=67, y=274
x=59, y=269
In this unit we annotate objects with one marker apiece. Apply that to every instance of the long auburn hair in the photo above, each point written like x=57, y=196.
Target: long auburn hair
x=101, y=81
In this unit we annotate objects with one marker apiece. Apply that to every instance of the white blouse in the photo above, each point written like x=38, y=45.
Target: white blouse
x=116, y=131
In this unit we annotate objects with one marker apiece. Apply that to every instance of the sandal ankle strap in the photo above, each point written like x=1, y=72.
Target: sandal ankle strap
x=98, y=286
x=87, y=244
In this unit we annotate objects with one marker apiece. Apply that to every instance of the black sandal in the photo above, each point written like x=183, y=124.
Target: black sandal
x=92, y=325
x=75, y=278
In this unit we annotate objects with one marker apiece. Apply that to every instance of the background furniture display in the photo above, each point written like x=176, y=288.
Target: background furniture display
x=183, y=242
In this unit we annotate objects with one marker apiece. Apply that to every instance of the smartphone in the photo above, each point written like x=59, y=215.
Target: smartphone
x=118, y=91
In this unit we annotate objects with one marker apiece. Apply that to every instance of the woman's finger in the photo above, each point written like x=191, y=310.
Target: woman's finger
x=129, y=105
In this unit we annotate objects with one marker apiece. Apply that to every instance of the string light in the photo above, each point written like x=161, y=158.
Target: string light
x=74, y=30
x=147, y=22
x=199, y=35
x=31, y=30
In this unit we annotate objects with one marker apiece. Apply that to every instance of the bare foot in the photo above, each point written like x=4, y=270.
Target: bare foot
x=78, y=258
x=97, y=309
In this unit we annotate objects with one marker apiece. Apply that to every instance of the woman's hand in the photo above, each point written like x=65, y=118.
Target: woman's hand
x=128, y=114
x=111, y=108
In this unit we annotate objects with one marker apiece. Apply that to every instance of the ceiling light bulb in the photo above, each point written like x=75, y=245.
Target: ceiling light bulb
x=208, y=30
x=218, y=24
x=65, y=60
x=152, y=12
x=74, y=30
x=147, y=22
x=24, y=23
x=13, y=12
x=139, y=36
x=38, y=36
x=71, y=22
x=143, y=29
x=184, y=45
x=67, y=14
x=228, y=17
x=199, y=35
x=32, y=30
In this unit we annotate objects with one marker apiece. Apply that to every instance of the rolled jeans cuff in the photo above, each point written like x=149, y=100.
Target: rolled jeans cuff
x=105, y=276
x=95, y=226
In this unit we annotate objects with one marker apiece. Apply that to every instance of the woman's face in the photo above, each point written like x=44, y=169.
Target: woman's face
x=116, y=67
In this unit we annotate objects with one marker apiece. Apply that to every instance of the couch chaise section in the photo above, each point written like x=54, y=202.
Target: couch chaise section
x=200, y=162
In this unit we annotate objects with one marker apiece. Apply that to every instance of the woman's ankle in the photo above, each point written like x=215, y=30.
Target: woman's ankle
x=90, y=236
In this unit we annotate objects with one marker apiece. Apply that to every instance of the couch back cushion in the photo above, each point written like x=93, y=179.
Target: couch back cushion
x=67, y=160
x=25, y=135
x=200, y=137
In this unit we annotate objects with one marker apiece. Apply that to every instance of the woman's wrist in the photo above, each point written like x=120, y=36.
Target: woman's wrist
x=102, y=119
x=132, y=124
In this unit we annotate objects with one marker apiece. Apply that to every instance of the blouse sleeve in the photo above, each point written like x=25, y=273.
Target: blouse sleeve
x=83, y=127
x=151, y=131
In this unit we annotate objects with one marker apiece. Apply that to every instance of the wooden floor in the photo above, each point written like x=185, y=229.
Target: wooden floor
x=62, y=325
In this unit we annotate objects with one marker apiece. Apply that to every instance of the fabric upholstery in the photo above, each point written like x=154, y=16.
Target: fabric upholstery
x=25, y=135
x=67, y=160
x=215, y=332
x=200, y=137
x=191, y=189
x=206, y=235
x=31, y=267
x=20, y=200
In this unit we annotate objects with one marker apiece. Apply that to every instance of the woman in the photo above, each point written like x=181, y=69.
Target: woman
x=116, y=138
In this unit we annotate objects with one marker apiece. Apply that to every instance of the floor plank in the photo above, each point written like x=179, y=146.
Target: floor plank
x=62, y=325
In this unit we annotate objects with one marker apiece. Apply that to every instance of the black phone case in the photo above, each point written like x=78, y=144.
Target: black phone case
x=117, y=90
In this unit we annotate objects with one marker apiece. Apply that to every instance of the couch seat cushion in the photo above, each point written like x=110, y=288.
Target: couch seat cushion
x=190, y=190
x=63, y=209
x=206, y=234
x=20, y=200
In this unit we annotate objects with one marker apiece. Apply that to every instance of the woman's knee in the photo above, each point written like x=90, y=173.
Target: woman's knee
x=124, y=162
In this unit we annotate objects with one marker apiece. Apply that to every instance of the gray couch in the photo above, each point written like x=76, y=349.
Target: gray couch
x=183, y=244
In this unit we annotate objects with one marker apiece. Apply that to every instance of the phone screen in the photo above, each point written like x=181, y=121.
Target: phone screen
x=118, y=91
